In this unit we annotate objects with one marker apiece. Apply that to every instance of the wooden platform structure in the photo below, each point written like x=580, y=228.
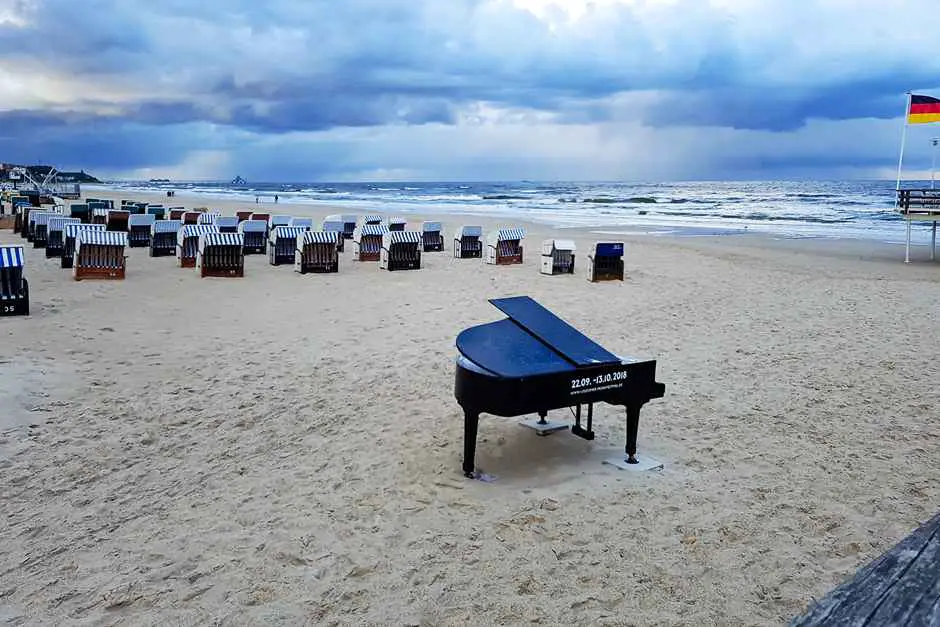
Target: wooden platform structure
x=504, y=246
x=187, y=242
x=367, y=241
x=99, y=255
x=282, y=244
x=339, y=227
x=221, y=255
x=401, y=250
x=467, y=242
x=55, y=235
x=900, y=587
x=14, y=288
x=432, y=237
x=919, y=205
x=68, y=242
x=139, y=228
x=558, y=256
x=163, y=237
x=605, y=262
x=317, y=252
x=227, y=224
x=255, y=236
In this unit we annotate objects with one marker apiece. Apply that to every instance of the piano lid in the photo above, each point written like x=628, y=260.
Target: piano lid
x=554, y=332
x=506, y=349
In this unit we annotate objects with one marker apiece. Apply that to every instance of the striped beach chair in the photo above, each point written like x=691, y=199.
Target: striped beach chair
x=282, y=244
x=99, y=215
x=397, y=224
x=140, y=229
x=117, y=220
x=558, y=256
x=307, y=223
x=317, y=252
x=339, y=227
x=367, y=241
x=221, y=255
x=504, y=246
x=163, y=234
x=99, y=255
x=255, y=236
x=208, y=217
x=55, y=235
x=227, y=224
x=401, y=250
x=605, y=263
x=187, y=242
x=14, y=288
x=68, y=243
x=432, y=236
x=467, y=244
x=373, y=218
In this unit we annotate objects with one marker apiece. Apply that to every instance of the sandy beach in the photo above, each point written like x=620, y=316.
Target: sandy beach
x=286, y=448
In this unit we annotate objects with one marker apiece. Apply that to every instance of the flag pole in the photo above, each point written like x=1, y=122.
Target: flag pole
x=897, y=188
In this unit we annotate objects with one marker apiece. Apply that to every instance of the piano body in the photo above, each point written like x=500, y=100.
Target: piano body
x=533, y=362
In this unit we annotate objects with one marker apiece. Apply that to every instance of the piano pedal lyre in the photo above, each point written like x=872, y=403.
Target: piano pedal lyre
x=543, y=426
x=577, y=429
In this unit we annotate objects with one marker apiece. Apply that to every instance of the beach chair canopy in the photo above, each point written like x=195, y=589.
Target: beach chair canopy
x=287, y=232
x=431, y=227
x=347, y=218
x=11, y=257
x=141, y=219
x=208, y=217
x=58, y=223
x=608, y=249
x=194, y=230
x=370, y=229
x=72, y=229
x=166, y=226
x=372, y=219
x=207, y=240
x=512, y=233
x=549, y=246
x=333, y=225
x=88, y=237
x=280, y=220
x=226, y=221
x=253, y=226
x=397, y=220
x=304, y=222
x=400, y=237
x=468, y=231
x=317, y=237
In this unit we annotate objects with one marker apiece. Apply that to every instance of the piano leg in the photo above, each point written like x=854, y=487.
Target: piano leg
x=577, y=429
x=633, y=426
x=470, y=423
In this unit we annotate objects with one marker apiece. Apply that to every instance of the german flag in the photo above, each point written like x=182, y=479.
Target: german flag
x=923, y=110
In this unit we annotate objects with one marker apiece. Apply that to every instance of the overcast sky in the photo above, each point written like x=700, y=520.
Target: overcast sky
x=307, y=90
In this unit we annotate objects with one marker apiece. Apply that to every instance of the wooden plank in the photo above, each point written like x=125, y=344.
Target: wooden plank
x=900, y=587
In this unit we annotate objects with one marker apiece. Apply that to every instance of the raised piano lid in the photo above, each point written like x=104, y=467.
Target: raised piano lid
x=577, y=348
x=506, y=349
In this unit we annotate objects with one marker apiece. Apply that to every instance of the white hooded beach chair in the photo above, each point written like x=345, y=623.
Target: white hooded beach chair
x=504, y=246
x=401, y=250
x=317, y=252
x=367, y=241
x=14, y=288
x=255, y=234
x=139, y=230
x=99, y=255
x=558, y=256
x=467, y=244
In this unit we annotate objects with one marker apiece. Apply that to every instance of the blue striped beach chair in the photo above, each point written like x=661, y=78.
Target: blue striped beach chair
x=338, y=227
x=14, y=288
x=255, y=236
x=208, y=217
x=504, y=246
x=467, y=244
x=99, y=255
x=401, y=250
x=221, y=255
x=163, y=234
x=68, y=240
x=373, y=218
x=367, y=241
x=317, y=252
x=432, y=236
x=55, y=235
x=187, y=242
x=140, y=229
x=282, y=244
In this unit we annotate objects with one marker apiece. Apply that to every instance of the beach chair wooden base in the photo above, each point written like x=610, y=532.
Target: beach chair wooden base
x=7, y=222
x=508, y=260
x=54, y=251
x=368, y=256
x=138, y=237
x=163, y=251
x=114, y=274
x=318, y=268
x=222, y=272
x=18, y=306
x=187, y=262
x=254, y=250
x=605, y=269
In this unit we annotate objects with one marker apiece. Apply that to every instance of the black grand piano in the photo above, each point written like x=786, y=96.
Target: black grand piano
x=533, y=362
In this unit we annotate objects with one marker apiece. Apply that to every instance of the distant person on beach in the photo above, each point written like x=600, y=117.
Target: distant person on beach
x=275, y=199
